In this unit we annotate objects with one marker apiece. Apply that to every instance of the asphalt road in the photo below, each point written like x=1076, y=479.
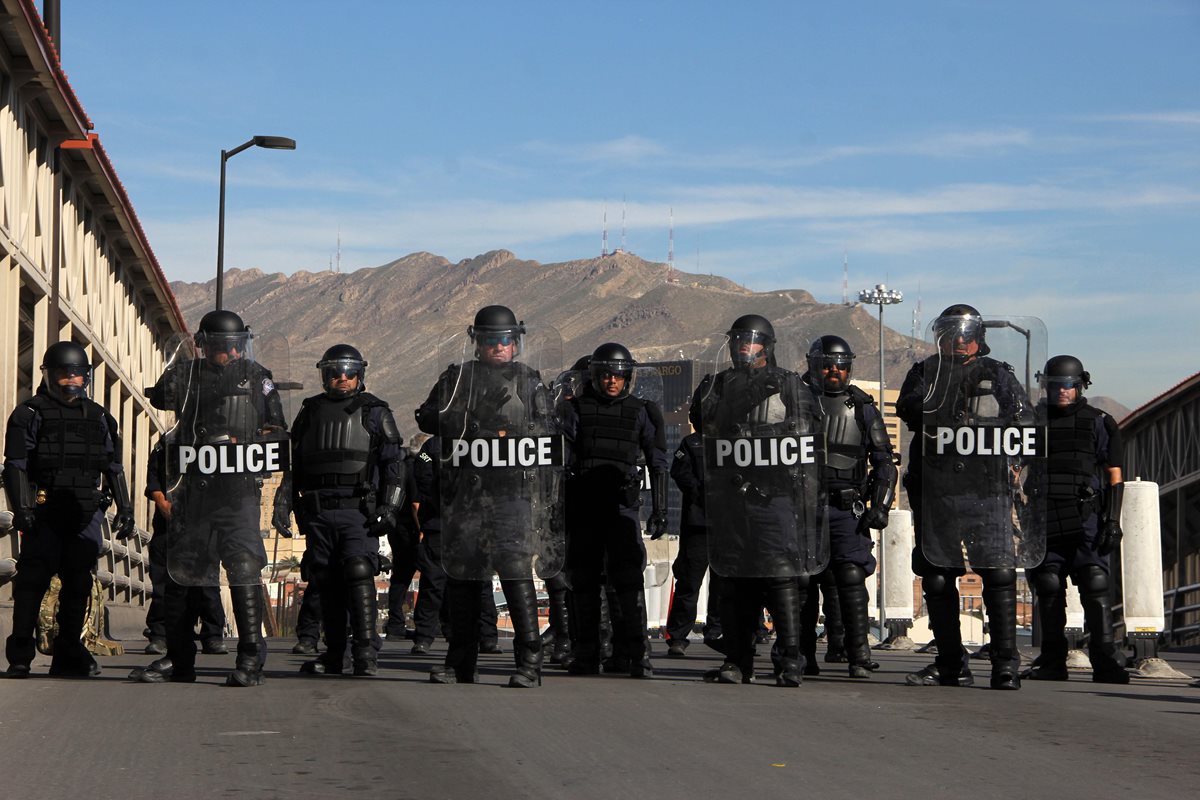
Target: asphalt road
x=397, y=736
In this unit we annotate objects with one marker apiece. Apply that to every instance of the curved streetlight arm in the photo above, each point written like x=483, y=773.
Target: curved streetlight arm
x=268, y=142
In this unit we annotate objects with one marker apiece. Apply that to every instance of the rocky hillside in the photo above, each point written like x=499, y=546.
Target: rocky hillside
x=397, y=313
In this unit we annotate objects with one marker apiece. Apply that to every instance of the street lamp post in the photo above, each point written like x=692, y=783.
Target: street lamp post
x=881, y=296
x=270, y=143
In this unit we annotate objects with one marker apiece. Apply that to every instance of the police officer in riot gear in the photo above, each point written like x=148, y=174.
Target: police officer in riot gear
x=1083, y=523
x=859, y=500
x=608, y=428
x=755, y=538
x=205, y=600
x=488, y=513
x=969, y=385
x=221, y=396
x=687, y=470
x=58, y=446
x=347, y=489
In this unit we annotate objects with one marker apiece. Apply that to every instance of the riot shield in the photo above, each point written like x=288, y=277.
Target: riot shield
x=764, y=454
x=501, y=464
x=983, y=446
x=229, y=438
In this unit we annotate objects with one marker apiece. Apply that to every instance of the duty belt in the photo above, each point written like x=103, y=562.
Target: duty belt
x=316, y=502
x=847, y=500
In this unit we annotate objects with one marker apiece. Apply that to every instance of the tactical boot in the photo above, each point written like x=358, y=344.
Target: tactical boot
x=1000, y=600
x=528, y=657
x=420, y=647
x=561, y=651
x=1051, y=663
x=932, y=676
x=251, y=648
x=642, y=668
x=1107, y=669
x=162, y=670
x=852, y=597
x=72, y=660
x=215, y=646
x=156, y=647
x=791, y=672
x=490, y=647
x=324, y=664
x=17, y=671
x=305, y=647
x=729, y=673
x=445, y=675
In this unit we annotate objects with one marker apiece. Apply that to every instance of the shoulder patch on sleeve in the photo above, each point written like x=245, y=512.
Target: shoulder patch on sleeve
x=680, y=454
x=425, y=457
x=267, y=386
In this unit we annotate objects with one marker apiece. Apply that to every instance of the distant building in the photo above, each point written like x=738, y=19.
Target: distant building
x=75, y=264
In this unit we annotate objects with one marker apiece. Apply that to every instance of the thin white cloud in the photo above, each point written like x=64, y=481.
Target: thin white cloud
x=1156, y=117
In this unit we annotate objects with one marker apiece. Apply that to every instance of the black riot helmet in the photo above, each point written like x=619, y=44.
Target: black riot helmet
x=1066, y=372
x=223, y=331
x=830, y=351
x=64, y=359
x=961, y=321
x=342, y=359
x=496, y=325
x=611, y=358
x=751, y=329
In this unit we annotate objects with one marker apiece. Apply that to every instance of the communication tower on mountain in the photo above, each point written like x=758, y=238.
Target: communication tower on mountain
x=604, y=238
x=845, y=279
x=671, y=276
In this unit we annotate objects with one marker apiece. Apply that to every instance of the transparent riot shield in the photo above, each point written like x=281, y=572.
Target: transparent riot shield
x=764, y=454
x=501, y=464
x=229, y=438
x=983, y=445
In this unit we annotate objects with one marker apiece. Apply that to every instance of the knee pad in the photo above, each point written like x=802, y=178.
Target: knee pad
x=998, y=579
x=849, y=574
x=1092, y=582
x=243, y=568
x=358, y=569
x=936, y=584
x=1047, y=582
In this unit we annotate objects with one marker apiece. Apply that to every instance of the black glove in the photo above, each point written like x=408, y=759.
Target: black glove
x=123, y=525
x=281, y=519
x=876, y=519
x=20, y=497
x=657, y=524
x=23, y=520
x=384, y=521
x=1110, y=527
x=489, y=403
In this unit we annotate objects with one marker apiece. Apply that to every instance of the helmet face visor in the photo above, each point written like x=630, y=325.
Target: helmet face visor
x=221, y=347
x=68, y=382
x=831, y=370
x=341, y=367
x=748, y=347
x=968, y=329
x=612, y=378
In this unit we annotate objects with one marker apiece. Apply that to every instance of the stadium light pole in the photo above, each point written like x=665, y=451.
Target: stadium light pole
x=268, y=142
x=881, y=296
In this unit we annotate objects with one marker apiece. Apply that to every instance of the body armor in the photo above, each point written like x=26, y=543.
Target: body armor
x=1071, y=459
x=608, y=432
x=70, y=454
x=333, y=448
x=844, y=440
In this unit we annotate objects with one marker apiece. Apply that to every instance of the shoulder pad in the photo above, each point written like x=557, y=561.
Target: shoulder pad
x=653, y=411
x=387, y=426
x=1006, y=366
x=860, y=396
x=313, y=400
x=368, y=400
x=23, y=414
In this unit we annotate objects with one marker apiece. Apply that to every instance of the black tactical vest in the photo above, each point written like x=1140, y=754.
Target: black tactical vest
x=608, y=434
x=1071, y=452
x=228, y=398
x=70, y=453
x=844, y=439
x=333, y=446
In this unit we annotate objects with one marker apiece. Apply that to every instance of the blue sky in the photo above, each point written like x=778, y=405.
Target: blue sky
x=1031, y=158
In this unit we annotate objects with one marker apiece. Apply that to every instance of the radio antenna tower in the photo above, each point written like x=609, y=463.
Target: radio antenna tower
x=845, y=279
x=338, y=262
x=604, y=239
x=671, y=248
x=622, y=223
x=916, y=322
